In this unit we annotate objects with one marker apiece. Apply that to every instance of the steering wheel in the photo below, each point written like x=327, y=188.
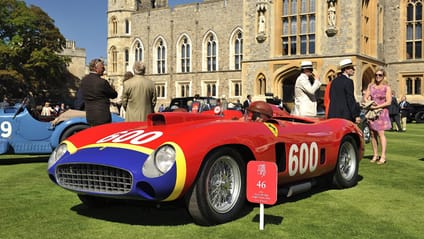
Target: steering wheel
x=20, y=108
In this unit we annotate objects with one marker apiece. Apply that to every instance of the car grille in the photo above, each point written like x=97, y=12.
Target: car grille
x=93, y=178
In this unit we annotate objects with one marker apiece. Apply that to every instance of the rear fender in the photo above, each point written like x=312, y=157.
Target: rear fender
x=61, y=127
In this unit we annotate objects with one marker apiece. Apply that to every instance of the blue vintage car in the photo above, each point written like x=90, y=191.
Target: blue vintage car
x=23, y=133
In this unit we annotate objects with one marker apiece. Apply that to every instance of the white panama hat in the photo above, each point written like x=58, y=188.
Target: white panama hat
x=345, y=63
x=306, y=65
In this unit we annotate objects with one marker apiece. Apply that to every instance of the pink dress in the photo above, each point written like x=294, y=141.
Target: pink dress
x=378, y=95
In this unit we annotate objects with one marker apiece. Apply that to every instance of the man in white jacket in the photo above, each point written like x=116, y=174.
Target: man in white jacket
x=305, y=102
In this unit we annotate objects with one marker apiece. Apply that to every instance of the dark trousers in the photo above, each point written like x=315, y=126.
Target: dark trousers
x=396, y=118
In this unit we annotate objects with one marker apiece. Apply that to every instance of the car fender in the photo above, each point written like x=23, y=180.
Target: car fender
x=60, y=128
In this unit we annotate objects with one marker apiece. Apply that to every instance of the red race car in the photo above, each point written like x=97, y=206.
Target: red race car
x=201, y=158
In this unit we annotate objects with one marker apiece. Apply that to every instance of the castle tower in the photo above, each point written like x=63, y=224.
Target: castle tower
x=143, y=5
x=119, y=37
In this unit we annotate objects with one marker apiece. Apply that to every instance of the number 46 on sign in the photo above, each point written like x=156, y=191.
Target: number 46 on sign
x=261, y=182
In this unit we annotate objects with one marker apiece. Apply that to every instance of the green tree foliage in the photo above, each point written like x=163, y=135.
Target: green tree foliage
x=29, y=47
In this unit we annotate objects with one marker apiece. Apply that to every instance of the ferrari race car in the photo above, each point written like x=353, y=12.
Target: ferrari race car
x=201, y=159
x=22, y=133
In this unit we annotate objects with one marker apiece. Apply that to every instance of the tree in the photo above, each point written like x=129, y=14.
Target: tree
x=29, y=47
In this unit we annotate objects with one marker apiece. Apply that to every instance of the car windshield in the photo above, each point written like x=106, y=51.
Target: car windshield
x=206, y=103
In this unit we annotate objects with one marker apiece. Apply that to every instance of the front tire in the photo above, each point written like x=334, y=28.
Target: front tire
x=346, y=171
x=219, y=194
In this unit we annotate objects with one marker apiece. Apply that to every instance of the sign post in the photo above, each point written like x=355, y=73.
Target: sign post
x=261, y=185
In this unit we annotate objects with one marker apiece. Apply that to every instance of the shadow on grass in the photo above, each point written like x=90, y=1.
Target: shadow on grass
x=144, y=213
x=21, y=159
x=322, y=184
x=175, y=213
x=269, y=219
x=136, y=213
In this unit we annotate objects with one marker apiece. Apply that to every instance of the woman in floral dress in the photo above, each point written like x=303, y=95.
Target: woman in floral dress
x=380, y=92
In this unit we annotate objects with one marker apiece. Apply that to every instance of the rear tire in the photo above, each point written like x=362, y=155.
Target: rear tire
x=219, y=194
x=346, y=171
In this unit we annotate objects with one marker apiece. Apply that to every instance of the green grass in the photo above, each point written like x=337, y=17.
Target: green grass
x=388, y=202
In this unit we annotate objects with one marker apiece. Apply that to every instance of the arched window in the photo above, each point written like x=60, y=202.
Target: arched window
x=184, y=54
x=114, y=27
x=160, y=57
x=236, y=50
x=113, y=67
x=138, y=51
x=260, y=85
x=211, y=53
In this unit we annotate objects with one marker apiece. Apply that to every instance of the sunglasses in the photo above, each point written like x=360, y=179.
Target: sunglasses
x=379, y=75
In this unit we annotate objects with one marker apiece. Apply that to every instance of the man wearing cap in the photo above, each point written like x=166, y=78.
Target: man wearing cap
x=139, y=95
x=96, y=93
x=342, y=98
x=305, y=102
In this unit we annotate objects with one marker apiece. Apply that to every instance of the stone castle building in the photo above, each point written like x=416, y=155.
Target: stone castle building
x=78, y=55
x=233, y=48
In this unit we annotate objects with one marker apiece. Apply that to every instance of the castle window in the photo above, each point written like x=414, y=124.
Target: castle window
x=210, y=89
x=414, y=85
x=138, y=52
x=236, y=51
x=127, y=26
x=114, y=27
x=160, y=58
x=184, y=55
x=183, y=89
x=161, y=90
x=298, y=22
x=113, y=67
x=127, y=57
x=236, y=88
x=414, y=29
x=211, y=53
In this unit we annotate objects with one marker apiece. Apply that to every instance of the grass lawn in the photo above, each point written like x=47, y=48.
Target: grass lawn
x=388, y=202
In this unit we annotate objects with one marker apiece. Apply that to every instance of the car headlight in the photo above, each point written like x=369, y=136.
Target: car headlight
x=159, y=162
x=57, y=154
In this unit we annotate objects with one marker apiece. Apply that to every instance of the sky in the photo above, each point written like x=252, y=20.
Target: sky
x=84, y=21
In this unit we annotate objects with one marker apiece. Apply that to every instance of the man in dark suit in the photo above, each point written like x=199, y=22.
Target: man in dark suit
x=404, y=112
x=342, y=98
x=96, y=94
x=394, y=113
x=247, y=102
